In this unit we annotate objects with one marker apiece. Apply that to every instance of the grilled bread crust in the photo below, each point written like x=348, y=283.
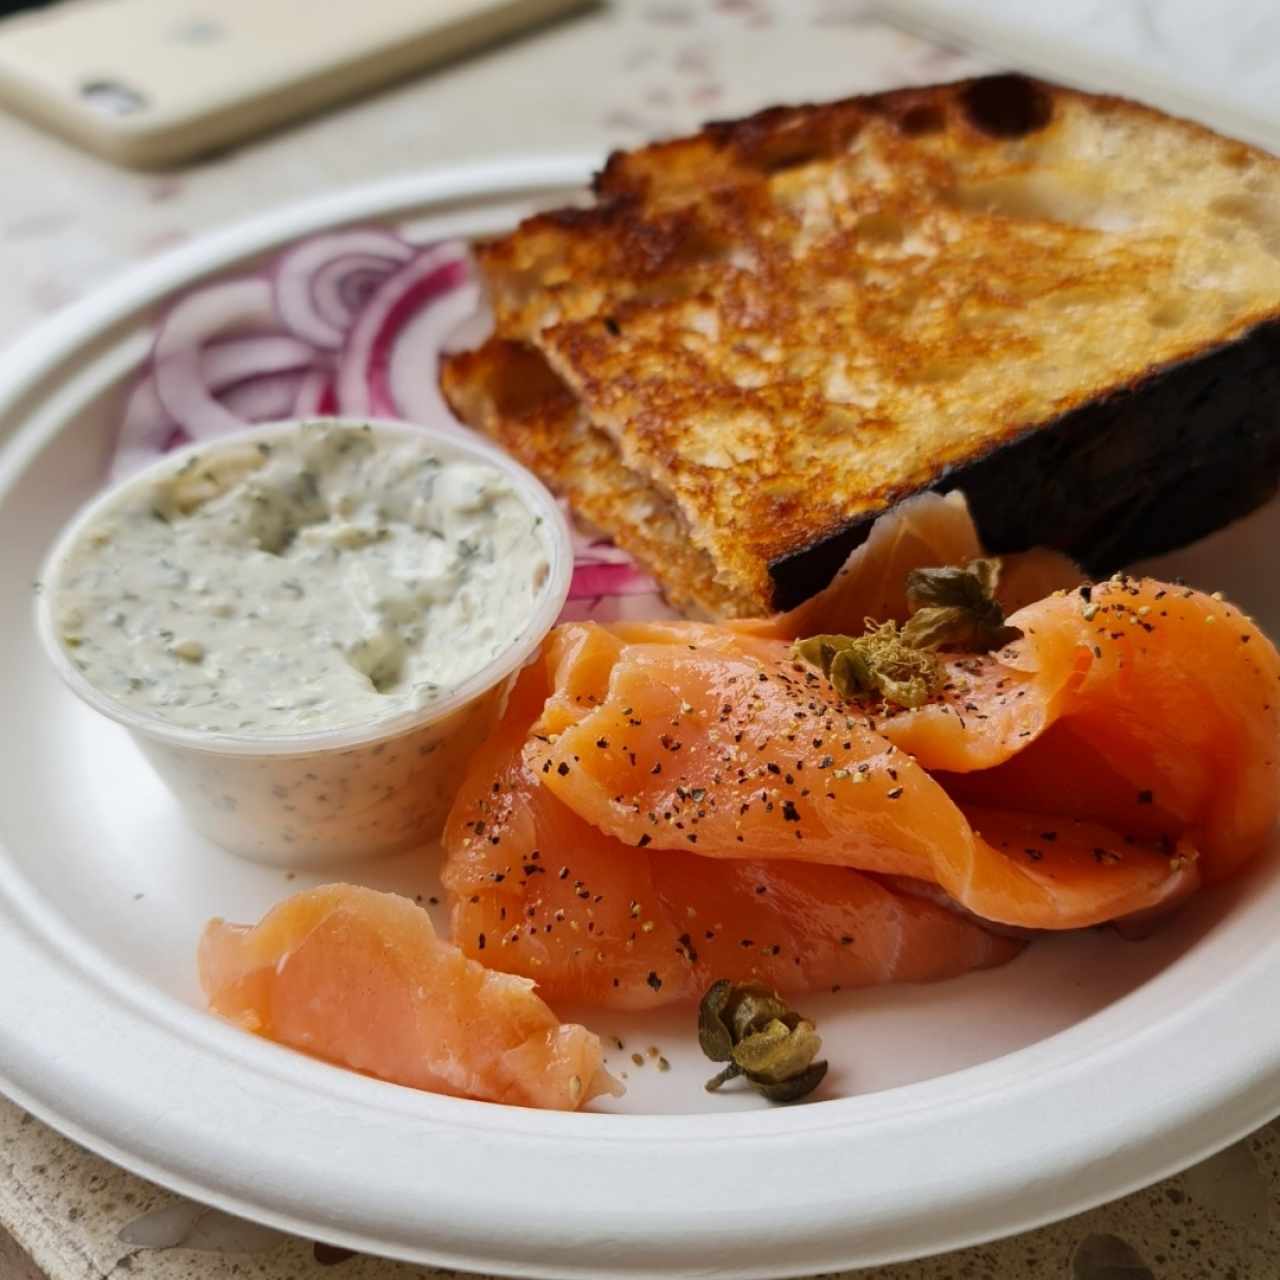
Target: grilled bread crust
x=507, y=390
x=785, y=324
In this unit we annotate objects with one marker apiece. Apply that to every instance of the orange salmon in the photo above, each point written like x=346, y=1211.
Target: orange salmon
x=361, y=979
x=924, y=532
x=536, y=890
x=1132, y=701
x=684, y=736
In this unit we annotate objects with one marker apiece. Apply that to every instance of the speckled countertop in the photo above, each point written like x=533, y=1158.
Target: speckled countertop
x=71, y=1216
x=630, y=70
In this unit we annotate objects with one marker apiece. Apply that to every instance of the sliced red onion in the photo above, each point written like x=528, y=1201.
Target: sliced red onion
x=341, y=289
x=592, y=548
x=408, y=302
x=413, y=360
x=607, y=584
x=591, y=580
x=647, y=607
x=220, y=361
x=315, y=395
x=216, y=311
x=226, y=361
x=268, y=397
x=147, y=431
x=322, y=283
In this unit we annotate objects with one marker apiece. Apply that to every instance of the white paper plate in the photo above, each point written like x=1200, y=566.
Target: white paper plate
x=953, y=1113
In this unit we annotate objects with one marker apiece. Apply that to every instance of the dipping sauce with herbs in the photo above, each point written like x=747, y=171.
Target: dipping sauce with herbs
x=309, y=628
x=329, y=577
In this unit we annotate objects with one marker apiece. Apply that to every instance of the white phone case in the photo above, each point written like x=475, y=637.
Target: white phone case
x=150, y=83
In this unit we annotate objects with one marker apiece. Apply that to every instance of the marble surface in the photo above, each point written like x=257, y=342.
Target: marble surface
x=628, y=71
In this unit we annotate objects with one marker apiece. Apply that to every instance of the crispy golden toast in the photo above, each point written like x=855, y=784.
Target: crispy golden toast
x=760, y=337
x=508, y=391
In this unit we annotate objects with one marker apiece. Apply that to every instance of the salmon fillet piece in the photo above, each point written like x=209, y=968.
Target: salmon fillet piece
x=1132, y=701
x=537, y=891
x=361, y=979
x=924, y=532
x=684, y=736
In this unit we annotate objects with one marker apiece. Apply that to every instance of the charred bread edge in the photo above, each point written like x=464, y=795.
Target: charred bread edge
x=1137, y=471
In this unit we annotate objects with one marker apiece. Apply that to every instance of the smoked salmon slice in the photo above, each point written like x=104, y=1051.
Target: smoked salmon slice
x=1134, y=702
x=924, y=532
x=672, y=736
x=361, y=979
x=536, y=890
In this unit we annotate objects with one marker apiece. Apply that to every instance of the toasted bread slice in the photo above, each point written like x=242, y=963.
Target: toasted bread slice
x=1067, y=305
x=507, y=390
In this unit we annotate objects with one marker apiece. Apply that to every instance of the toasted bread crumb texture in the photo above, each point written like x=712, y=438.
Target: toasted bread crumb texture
x=787, y=322
x=507, y=390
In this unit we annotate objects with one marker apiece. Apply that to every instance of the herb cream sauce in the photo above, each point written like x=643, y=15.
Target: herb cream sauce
x=335, y=576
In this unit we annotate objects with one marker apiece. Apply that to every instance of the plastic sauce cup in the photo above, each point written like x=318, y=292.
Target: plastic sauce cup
x=304, y=800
